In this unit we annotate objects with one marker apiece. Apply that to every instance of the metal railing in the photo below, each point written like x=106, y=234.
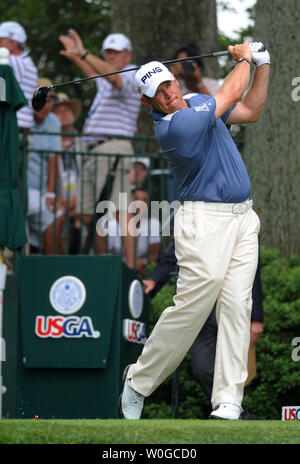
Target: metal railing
x=146, y=171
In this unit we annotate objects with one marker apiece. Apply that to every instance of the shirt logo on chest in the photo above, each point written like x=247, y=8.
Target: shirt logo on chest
x=203, y=107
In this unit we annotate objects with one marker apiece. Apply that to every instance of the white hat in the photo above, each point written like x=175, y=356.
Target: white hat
x=12, y=30
x=117, y=42
x=143, y=160
x=150, y=75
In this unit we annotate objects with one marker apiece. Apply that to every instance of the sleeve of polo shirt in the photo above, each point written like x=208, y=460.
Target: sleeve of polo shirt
x=225, y=115
x=187, y=126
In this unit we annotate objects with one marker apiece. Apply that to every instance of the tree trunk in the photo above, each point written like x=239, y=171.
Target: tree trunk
x=272, y=145
x=158, y=27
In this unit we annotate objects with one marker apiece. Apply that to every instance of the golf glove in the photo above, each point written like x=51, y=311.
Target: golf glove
x=260, y=54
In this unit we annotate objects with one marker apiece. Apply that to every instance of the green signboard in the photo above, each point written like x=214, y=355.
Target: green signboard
x=67, y=310
x=71, y=325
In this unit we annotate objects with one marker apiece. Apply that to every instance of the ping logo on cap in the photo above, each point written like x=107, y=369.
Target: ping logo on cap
x=149, y=74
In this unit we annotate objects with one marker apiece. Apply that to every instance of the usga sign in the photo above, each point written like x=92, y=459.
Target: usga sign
x=67, y=295
x=70, y=327
x=134, y=331
x=290, y=413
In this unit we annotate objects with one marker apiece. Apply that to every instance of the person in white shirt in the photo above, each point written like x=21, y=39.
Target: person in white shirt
x=113, y=113
x=13, y=37
x=68, y=111
x=191, y=75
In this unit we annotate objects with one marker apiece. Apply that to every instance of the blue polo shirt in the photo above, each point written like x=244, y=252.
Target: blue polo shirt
x=201, y=153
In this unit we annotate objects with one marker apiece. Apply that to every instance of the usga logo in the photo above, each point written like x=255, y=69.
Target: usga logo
x=290, y=413
x=134, y=331
x=67, y=295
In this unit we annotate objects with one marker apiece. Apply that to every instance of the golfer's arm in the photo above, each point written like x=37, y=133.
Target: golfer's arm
x=233, y=88
x=251, y=106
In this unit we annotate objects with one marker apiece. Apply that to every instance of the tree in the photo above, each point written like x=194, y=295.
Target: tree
x=158, y=27
x=272, y=145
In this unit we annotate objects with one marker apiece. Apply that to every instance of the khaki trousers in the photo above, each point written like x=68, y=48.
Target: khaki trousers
x=95, y=172
x=217, y=255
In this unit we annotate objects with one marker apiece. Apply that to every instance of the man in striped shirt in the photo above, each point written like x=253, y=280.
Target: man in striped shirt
x=13, y=37
x=113, y=113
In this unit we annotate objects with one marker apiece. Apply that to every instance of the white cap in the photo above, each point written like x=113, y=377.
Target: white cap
x=12, y=30
x=117, y=42
x=150, y=75
x=143, y=160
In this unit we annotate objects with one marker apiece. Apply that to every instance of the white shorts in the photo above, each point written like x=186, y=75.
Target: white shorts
x=39, y=216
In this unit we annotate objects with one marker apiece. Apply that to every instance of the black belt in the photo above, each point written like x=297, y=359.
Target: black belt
x=93, y=145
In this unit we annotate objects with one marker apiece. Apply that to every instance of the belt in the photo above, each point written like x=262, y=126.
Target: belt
x=235, y=208
x=93, y=145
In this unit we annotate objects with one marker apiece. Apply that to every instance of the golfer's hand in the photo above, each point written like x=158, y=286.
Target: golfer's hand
x=241, y=51
x=148, y=286
x=259, y=58
x=256, y=329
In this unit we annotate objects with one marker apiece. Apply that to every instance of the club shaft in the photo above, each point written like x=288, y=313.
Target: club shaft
x=178, y=60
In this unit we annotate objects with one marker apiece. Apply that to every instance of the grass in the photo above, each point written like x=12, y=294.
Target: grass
x=114, y=431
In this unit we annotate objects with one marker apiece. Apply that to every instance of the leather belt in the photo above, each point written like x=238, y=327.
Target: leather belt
x=235, y=208
x=94, y=144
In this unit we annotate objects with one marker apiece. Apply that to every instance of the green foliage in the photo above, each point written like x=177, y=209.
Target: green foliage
x=277, y=382
x=278, y=375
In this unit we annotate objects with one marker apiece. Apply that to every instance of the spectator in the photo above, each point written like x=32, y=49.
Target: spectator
x=68, y=111
x=45, y=208
x=139, y=171
x=191, y=74
x=13, y=37
x=147, y=231
x=113, y=113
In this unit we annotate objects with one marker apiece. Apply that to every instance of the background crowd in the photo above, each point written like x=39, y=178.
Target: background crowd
x=69, y=174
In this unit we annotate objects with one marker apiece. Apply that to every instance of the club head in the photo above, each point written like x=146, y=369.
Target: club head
x=39, y=98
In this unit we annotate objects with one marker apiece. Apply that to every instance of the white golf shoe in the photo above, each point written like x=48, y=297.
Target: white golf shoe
x=227, y=411
x=131, y=401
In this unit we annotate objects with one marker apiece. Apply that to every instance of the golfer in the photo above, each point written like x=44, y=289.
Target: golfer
x=216, y=229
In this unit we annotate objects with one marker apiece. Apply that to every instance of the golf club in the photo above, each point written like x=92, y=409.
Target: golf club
x=40, y=95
